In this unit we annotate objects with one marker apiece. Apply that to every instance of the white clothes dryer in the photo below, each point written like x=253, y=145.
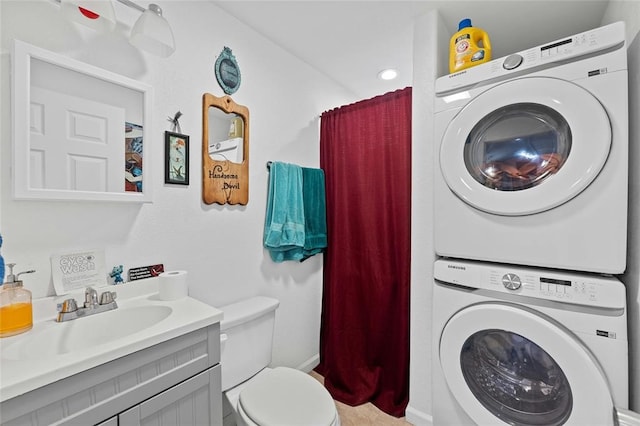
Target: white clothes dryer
x=527, y=346
x=532, y=158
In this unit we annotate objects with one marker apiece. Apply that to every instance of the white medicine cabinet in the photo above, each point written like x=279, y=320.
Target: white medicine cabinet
x=79, y=132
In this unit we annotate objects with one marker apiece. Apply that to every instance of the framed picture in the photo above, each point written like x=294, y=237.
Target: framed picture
x=176, y=158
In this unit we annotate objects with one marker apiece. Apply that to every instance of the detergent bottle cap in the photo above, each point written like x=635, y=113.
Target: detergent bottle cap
x=464, y=24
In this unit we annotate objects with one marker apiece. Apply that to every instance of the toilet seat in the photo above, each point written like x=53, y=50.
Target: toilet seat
x=284, y=396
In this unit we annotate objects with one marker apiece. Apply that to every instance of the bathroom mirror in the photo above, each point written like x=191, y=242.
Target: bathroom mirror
x=79, y=132
x=225, y=151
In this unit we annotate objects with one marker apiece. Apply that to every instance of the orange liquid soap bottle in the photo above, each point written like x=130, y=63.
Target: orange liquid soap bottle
x=16, y=313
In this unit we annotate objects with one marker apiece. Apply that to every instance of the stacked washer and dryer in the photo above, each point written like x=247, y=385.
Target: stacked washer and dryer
x=530, y=326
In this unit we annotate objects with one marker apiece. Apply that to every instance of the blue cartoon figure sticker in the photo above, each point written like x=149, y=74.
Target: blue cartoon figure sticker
x=116, y=274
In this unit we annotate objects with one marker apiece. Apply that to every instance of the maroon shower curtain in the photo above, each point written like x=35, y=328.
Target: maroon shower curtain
x=365, y=151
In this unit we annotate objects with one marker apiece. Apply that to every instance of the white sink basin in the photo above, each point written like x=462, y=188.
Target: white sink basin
x=52, y=351
x=60, y=338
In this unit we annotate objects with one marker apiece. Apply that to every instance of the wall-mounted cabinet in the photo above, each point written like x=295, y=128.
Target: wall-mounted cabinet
x=79, y=132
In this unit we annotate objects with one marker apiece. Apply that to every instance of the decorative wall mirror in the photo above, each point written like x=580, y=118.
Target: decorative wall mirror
x=79, y=132
x=225, y=151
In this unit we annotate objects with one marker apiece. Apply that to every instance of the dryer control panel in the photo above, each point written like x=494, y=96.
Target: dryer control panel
x=572, y=48
x=576, y=288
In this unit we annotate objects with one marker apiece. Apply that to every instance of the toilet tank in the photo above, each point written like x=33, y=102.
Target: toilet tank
x=246, y=336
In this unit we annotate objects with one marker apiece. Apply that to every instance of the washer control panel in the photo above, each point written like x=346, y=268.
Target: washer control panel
x=586, y=44
x=576, y=288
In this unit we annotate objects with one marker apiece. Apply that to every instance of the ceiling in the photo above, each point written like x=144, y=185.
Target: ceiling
x=351, y=41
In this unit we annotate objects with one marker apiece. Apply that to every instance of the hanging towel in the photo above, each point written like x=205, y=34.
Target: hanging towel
x=315, y=215
x=284, y=221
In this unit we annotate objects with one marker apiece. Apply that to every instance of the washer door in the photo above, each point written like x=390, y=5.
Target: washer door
x=505, y=362
x=525, y=146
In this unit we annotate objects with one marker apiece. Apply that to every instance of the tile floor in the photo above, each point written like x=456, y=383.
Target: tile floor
x=363, y=415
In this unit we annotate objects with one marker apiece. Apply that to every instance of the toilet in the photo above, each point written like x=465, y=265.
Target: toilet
x=256, y=394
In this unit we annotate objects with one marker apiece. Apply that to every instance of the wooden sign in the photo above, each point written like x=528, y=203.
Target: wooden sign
x=225, y=151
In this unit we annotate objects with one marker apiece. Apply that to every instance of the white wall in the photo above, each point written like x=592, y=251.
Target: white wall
x=631, y=278
x=428, y=51
x=219, y=246
x=629, y=11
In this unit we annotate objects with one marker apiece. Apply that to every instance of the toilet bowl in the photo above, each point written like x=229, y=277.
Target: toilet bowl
x=257, y=394
x=282, y=396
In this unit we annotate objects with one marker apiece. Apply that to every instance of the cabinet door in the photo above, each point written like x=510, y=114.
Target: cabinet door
x=113, y=421
x=196, y=401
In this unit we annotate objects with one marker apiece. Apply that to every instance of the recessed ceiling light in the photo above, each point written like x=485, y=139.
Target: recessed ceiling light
x=388, y=74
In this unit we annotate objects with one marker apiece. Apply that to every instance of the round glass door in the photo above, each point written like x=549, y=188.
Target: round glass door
x=517, y=147
x=525, y=146
x=508, y=364
x=515, y=379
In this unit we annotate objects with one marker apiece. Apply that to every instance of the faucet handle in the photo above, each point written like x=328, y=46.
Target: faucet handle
x=68, y=305
x=90, y=297
x=107, y=297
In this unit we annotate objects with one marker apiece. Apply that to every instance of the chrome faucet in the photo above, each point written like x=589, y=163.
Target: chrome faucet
x=68, y=310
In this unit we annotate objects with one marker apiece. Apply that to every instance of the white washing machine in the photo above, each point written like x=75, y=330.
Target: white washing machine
x=527, y=346
x=532, y=156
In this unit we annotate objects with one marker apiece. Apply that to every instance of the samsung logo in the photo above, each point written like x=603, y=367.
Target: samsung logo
x=458, y=74
x=461, y=268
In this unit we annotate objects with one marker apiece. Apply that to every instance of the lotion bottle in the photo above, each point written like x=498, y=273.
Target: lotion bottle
x=16, y=312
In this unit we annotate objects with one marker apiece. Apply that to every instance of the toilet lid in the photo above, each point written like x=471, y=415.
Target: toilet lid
x=284, y=396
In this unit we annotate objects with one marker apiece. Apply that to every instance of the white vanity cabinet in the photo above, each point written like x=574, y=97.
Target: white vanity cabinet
x=174, y=382
x=188, y=403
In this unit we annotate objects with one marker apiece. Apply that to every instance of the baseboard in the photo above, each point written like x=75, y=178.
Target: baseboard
x=418, y=418
x=309, y=364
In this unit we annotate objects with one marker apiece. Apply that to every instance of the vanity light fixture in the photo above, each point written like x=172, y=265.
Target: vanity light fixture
x=388, y=74
x=151, y=32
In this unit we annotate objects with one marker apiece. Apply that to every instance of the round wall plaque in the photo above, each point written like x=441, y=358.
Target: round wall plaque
x=227, y=71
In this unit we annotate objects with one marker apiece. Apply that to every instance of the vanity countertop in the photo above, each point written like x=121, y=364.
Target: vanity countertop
x=34, y=359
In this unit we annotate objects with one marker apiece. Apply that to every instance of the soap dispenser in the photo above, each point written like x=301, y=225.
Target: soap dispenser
x=16, y=313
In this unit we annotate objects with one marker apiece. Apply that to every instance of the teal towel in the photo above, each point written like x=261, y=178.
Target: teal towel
x=284, y=221
x=315, y=214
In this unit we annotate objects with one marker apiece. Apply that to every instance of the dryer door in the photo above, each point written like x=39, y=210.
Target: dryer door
x=505, y=362
x=525, y=146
